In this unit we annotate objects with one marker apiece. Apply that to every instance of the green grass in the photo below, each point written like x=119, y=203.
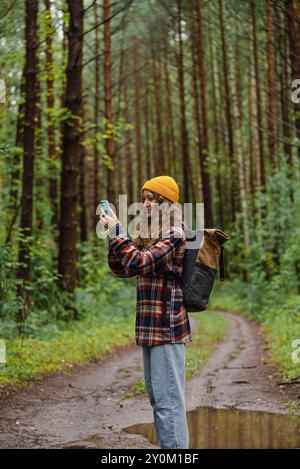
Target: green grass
x=89, y=339
x=76, y=342
x=211, y=329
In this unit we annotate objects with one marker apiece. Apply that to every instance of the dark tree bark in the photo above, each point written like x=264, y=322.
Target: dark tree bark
x=160, y=151
x=110, y=144
x=228, y=110
x=196, y=109
x=128, y=155
x=169, y=108
x=216, y=128
x=31, y=10
x=119, y=146
x=262, y=178
x=271, y=84
x=53, y=177
x=284, y=81
x=208, y=215
x=284, y=77
x=137, y=110
x=83, y=196
x=14, y=193
x=186, y=168
x=252, y=157
x=72, y=150
x=97, y=188
x=147, y=129
x=293, y=20
x=19, y=144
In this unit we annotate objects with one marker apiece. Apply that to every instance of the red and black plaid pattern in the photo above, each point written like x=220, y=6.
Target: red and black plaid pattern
x=148, y=265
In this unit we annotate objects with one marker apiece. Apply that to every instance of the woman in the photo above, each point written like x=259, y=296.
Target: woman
x=161, y=334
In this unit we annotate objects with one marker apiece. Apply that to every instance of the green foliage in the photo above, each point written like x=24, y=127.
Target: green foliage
x=50, y=341
x=271, y=294
x=9, y=303
x=274, y=242
x=115, y=131
x=277, y=310
x=60, y=346
x=47, y=301
x=49, y=305
x=98, y=285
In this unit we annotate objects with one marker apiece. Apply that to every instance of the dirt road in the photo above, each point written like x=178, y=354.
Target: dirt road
x=87, y=409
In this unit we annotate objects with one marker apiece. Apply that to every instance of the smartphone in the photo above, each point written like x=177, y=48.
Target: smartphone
x=104, y=206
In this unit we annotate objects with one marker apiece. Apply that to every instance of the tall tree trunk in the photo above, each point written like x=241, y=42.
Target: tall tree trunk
x=53, y=176
x=110, y=144
x=284, y=77
x=128, y=153
x=216, y=127
x=153, y=139
x=14, y=196
x=253, y=147
x=262, y=178
x=31, y=10
x=186, y=168
x=63, y=80
x=38, y=151
x=147, y=129
x=293, y=20
x=88, y=166
x=72, y=150
x=83, y=219
x=271, y=84
x=169, y=109
x=204, y=159
x=19, y=144
x=160, y=151
x=137, y=111
x=121, y=158
x=196, y=112
x=237, y=106
x=96, y=185
x=228, y=111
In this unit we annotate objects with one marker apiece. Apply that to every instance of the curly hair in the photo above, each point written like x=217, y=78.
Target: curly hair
x=167, y=219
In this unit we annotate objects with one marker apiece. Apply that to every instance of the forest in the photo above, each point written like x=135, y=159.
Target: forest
x=98, y=96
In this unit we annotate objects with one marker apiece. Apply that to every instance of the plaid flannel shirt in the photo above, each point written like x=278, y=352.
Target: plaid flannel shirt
x=148, y=265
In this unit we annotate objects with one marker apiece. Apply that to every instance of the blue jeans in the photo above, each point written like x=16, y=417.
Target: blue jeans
x=164, y=374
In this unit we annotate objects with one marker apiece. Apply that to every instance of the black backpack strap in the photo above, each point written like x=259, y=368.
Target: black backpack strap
x=221, y=264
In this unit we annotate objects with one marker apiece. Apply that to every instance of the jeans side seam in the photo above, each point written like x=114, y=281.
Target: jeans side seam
x=172, y=398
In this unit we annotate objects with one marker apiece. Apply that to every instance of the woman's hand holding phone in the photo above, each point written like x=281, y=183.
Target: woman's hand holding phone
x=109, y=220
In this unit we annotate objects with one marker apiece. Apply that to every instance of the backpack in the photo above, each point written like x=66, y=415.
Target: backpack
x=199, y=268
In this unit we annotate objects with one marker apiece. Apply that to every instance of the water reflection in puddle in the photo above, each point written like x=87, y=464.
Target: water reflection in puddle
x=233, y=428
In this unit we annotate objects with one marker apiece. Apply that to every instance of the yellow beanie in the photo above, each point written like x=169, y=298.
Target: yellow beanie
x=165, y=186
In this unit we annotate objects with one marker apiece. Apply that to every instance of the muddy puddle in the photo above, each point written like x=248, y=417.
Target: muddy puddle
x=233, y=428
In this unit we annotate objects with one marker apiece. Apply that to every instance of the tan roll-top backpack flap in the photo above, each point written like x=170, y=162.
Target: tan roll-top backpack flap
x=211, y=250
